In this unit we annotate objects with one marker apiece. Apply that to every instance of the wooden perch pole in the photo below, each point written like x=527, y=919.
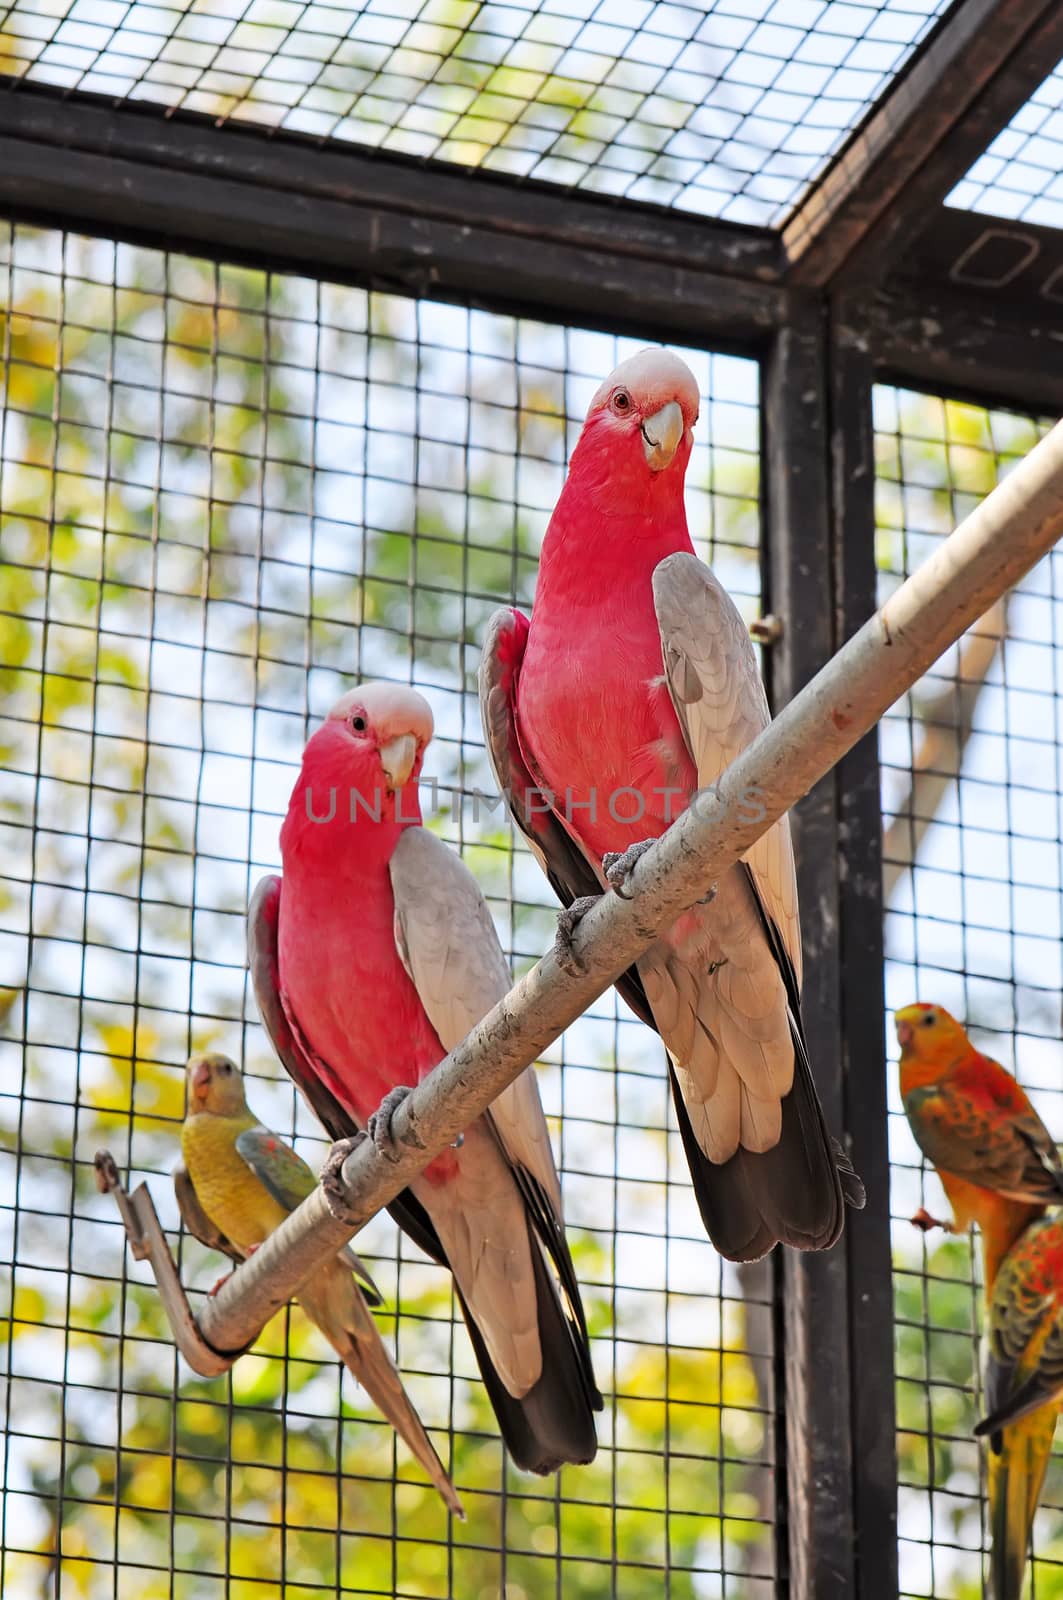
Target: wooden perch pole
x=989, y=552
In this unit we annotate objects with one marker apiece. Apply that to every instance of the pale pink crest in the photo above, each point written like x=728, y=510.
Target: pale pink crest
x=652, y=378
x=391, y=709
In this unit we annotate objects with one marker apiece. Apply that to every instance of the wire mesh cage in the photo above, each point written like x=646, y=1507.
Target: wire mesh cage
x=1019, y=175
x=228, y=492
x=971, y=811
x=717, y=109
x=226, y=496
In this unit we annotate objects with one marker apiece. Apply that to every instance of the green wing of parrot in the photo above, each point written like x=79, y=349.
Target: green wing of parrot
x=289, y=1180
x=1024, y=1388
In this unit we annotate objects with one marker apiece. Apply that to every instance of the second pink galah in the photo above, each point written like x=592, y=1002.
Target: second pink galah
x=633, y=686
x=372, y=957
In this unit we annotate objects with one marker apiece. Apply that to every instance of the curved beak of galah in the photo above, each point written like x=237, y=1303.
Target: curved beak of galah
x=199, y=1077
x=397, y=758
x=661, y=434
x=904, y=1032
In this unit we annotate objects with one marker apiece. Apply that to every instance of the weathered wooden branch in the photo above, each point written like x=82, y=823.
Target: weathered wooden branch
x=148, y=1243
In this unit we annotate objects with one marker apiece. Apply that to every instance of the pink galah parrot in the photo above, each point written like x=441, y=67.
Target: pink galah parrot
x=633, y=686
x=371, y=958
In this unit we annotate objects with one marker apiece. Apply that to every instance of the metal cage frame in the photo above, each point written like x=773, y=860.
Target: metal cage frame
x=872, y=277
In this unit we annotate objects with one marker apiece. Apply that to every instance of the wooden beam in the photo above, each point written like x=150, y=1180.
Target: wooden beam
x=1010, y=267
x=966, y=347
x=285, y=203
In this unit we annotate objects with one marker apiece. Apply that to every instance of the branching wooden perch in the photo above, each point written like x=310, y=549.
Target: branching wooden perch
x=988, y=553
x=148, y=1243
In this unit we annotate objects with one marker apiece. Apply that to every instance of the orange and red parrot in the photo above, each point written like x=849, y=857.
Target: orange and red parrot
x=997, y=1162
x=630, y=689
x=1000, y=1168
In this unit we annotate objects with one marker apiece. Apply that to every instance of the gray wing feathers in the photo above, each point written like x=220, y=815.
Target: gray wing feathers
x=721, y=1008
x=720, y=702
x=449, y=947
x=445, y=935
x=714, y=984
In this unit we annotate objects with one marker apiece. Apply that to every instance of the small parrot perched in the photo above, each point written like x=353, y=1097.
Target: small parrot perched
x=372, y=957
x=997, y=1161
x=236, y=1184
x=1024, y=1393
x=632, y=687
x=1000, y=1168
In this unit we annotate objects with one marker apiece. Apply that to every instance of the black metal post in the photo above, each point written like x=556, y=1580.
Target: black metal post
x=840, y=1507
x=818, y=1513
x=861, y=993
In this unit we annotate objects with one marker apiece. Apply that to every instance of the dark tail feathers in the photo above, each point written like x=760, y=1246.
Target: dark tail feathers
x=794, y=1194
x=554, y=1422
x=553, y=1425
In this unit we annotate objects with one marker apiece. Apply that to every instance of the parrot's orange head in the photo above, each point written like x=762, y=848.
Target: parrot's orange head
x=382, y=730
x=215, y=1085
x=638, y=435
x=929, y=1033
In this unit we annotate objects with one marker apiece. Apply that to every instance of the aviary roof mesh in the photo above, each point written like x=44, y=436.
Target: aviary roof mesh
x=730, y=108
x=1021, y=174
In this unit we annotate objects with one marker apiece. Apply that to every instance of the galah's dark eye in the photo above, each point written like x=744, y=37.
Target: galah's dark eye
x=621, y=401
x=928, y=1021
x=359, y=724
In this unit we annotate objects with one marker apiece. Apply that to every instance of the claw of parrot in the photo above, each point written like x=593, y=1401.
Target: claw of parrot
x=619, y=865
x=379, y=1125
x=567, y=923
x=331, y=1177
x=212, y=1291
x=923, y=1220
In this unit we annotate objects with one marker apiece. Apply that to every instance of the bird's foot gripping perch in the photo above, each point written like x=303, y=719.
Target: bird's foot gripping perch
x=618, y=865
x=331, y=1177
x=567, y=923
x=380, y=1124
x=380, y=1130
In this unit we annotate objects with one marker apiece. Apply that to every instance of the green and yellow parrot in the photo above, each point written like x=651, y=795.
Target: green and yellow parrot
x=1024, y=1392
x=236, y=1185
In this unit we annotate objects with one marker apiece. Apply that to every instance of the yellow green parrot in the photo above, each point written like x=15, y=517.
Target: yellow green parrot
x=1024, y=1393
x=236, y=1184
